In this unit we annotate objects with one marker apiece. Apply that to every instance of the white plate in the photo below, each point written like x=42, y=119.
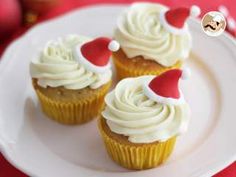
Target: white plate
x=41, y=147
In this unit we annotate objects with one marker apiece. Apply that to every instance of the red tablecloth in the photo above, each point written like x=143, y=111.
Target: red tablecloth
x=6, y=169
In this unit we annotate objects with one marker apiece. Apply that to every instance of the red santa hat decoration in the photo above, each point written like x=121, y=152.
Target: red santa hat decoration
x=174, y=20
x=165, y=88
x=95, y=54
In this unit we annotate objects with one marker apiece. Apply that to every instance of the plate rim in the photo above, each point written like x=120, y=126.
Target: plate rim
x=4, y=62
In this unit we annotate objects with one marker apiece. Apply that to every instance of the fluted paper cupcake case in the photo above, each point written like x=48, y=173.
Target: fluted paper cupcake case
x=124, y=70
x=81, y=111
x=137, y=156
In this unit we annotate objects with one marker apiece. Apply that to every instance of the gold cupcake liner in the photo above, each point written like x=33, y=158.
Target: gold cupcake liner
x=123, y=70
x=81, y=111
x=137, y=156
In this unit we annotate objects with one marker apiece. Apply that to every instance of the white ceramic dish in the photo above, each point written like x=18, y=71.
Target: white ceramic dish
x=43, y=148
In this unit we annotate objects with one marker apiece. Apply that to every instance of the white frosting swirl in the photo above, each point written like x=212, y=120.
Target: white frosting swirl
x=131, y=113
x=57, y=66
x=140, y=33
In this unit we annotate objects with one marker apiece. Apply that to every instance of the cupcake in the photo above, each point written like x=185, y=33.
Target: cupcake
x=142, y=118
x=153, y=39
x=71, y=77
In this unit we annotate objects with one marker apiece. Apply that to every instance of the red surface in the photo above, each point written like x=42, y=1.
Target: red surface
x=10, y=17
x=7, y=170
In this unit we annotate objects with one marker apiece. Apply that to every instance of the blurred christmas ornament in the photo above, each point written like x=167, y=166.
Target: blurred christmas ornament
x=231, y=23
x=39, y=6
x=10, y=17
x=30, y=18
x=35, y=8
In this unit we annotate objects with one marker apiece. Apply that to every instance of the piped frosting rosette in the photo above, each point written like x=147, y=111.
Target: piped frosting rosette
x=155, y=32
x=74, y=62
x=144, y=118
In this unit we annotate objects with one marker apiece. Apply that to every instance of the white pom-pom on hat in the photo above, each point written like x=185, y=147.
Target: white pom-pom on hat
x=114, y=46
x=186, y=73
x=195, y=11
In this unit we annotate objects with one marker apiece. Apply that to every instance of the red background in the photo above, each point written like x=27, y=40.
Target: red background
x=7, y=170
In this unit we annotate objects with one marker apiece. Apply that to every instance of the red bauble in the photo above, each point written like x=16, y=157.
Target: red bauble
x=10, y=17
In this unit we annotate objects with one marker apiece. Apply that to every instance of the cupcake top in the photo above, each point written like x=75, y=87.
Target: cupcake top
x=74, y=62
x=154, y=32
x=145, y=110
